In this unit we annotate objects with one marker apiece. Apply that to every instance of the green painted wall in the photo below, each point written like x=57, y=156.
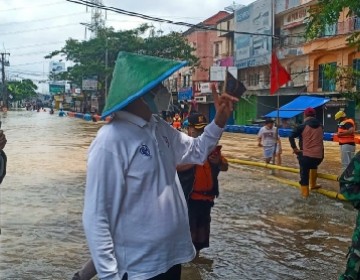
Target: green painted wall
x=246, y=110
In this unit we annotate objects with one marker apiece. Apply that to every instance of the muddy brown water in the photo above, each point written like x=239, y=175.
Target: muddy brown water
x=261, y=229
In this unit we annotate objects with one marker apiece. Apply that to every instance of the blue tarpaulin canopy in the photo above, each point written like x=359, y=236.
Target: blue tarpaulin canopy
x=297, y=106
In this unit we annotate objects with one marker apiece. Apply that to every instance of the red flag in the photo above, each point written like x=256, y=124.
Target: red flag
x=279, y=75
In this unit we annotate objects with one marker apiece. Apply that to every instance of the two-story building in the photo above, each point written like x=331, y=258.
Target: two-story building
x=280, y=25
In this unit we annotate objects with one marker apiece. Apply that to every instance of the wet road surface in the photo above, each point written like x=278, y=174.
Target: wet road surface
x=261, y=229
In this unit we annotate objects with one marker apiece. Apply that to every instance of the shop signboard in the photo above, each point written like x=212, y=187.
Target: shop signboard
x=253, y=50
x=218, y=73
x=90, y=83
x=56, y=88
x=185, y=93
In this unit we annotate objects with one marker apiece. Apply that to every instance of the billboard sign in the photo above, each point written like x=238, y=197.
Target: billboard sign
x=57, y=67
x=253, y=50
x=56, y=88
x=90, y=84
x=218, y=73
x=205, y=88
x=185, y=93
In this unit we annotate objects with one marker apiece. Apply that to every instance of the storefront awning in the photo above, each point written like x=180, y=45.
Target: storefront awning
x=297, y=106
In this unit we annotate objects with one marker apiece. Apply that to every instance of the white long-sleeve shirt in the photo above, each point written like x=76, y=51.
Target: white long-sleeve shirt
x=135, y=215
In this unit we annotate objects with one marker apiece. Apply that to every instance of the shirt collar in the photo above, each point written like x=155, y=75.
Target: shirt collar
x=130, y=117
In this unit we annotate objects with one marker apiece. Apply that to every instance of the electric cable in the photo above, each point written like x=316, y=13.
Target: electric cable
x=198, y=26
x=33, y=6
x=37, y=29
x=40, y=20
x=147, y=17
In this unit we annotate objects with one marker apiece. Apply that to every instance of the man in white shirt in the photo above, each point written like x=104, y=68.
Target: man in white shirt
x=135, y=215
x=269, y=140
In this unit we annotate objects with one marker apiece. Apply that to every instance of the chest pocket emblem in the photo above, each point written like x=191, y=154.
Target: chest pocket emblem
x=144, y=150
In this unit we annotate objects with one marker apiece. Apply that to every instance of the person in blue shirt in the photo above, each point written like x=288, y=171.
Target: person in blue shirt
x=62, y=113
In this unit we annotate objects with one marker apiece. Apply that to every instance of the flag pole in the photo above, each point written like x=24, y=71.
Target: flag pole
x=277, y=80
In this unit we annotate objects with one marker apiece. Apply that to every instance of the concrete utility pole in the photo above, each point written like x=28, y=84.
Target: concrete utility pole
x=106, y=67
x=4, y=89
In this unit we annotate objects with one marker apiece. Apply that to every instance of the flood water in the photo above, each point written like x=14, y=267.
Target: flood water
x=260, y=228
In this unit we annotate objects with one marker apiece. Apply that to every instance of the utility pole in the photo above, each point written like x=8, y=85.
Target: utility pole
x=106, y=68
x=4, y=89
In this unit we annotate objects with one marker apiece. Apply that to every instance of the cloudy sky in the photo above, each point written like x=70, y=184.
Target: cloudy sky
x=29, y=30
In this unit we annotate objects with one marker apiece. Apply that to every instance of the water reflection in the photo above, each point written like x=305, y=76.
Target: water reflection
x=260, y=229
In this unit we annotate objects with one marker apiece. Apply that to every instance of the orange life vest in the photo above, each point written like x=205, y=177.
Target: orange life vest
x=177, y=123
x=346, y=139
x=206, y=185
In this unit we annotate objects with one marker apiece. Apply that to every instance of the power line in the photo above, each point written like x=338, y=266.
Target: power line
x=198, y=26
x=35, y=45
x=37, y=29
x=30, y=53
x=147, y=17
x=31, y=7
x=29, y=63
x=40, y=20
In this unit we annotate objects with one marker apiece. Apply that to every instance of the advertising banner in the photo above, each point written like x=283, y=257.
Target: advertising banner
x=57, y=67
x=89, y=84
x=218, y=73
x=205, y=88
x=185, y=93
x=56, y=88
x=253, y=50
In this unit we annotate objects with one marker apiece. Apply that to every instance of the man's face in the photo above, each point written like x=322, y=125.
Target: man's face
x=193, y=132
x=270, y=125
x=157, y=99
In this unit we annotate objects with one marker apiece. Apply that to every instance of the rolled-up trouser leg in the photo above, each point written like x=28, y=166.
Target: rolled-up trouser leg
x=88, y=271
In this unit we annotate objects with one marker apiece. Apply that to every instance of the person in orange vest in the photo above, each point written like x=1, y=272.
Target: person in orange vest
x=201, y=187
x=177, y=121
x=346, y=136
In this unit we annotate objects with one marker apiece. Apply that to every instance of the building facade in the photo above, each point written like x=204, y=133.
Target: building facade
x=306, y=61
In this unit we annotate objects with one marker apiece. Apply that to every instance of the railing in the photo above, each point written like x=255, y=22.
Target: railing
x=356, y=23
x=293, y=41
x=342, y=27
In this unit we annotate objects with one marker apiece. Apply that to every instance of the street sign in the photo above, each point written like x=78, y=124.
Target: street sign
x=205, y=88
x=54, y=89
x=89, y=84
x=185, y=93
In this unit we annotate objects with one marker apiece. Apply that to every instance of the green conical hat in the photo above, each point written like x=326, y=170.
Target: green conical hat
x=134, y=75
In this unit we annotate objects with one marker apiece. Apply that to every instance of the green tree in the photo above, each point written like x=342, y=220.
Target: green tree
x=172, y=45
x=89, y=57
x=324, y=14
x=21, y=90
x=327, y=12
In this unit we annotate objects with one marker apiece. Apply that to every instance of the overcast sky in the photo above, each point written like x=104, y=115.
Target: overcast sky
x=29, y=30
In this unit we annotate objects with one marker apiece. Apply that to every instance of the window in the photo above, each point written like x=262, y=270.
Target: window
x=356, y=67
x=253, y=79
x=175, y=84
x=325, y=82
x=357, y=23
x=217, y=49
x=266, y=78
x=297, y=16
x=330, y=30
x=242, y=75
